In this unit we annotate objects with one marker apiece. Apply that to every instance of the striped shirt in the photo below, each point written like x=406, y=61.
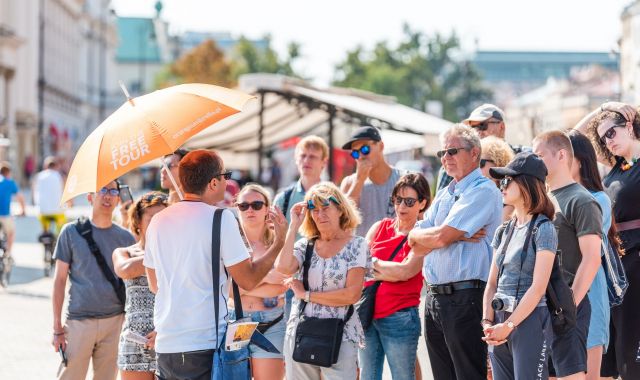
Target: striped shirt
x=469, y=205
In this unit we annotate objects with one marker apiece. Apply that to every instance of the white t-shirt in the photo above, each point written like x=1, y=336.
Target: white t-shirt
x=48, y=191
x=178, y=247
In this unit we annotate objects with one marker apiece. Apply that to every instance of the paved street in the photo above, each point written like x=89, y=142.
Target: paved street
x=25, y=313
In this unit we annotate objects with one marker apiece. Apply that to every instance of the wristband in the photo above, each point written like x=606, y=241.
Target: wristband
x=58, y=334
x=307, y=296
x=485, y=320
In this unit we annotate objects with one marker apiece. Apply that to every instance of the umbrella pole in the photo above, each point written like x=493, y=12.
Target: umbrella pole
x=173, y=181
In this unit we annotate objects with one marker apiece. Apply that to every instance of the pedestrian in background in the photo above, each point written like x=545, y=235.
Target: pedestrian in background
x=9, y=190
x=137, y=361
x=496, y=153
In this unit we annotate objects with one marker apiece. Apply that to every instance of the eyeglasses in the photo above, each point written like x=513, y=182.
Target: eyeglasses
x=450, y=152
x=504, y=183
x=610, y=134
x=485, y=125
x=256, y=205
x=324, y=202
x=114, y=192
x=483, y=162
x=364, y=150
x=226, y=175
x=409, y=202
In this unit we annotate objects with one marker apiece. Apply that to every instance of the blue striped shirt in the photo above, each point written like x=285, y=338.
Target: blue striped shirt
x=469, y=205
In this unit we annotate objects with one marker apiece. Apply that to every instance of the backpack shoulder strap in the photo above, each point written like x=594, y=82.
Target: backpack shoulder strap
x=215, y=265
x=287, y=199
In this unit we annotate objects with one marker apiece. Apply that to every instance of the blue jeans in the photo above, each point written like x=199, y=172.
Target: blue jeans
x=395, y=336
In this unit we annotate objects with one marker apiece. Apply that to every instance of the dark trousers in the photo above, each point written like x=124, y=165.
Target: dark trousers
x=194, y=365
x=454, y=335
x=620, y=359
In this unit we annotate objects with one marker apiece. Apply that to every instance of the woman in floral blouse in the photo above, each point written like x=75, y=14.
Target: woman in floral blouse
x=336, y=275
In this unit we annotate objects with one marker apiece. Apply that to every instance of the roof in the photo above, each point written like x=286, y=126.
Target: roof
x=137, y=41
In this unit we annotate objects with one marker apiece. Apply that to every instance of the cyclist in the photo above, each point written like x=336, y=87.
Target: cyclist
x=9, y=190
x=47, y=192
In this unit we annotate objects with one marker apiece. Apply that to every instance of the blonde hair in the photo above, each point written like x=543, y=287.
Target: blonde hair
x=268, y=235
x=313, y=142
x=497, y=150
x=320, y=194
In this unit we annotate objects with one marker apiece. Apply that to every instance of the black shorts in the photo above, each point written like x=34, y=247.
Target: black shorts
x=569, y=351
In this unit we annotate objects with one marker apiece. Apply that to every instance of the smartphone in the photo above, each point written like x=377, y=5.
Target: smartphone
x=125, y=194
x=63, y=355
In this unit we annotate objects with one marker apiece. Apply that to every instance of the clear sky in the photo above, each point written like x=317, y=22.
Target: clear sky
x=328, y=29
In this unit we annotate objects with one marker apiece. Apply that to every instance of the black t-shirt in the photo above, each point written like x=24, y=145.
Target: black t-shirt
x=577, y=214
x=623, y=187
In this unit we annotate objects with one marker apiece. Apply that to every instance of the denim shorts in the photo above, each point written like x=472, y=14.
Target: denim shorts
x=600, y=312
x=275, y=334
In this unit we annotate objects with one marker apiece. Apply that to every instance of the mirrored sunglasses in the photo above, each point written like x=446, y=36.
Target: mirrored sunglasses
x=504, y=183
x=364, y=150
x=325, y=202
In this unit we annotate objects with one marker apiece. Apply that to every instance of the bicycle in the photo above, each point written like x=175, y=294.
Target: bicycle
x=6, y=261
x=49, y=239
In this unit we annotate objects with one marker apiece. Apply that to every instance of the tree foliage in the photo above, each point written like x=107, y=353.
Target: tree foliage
x=249, y=58
x=205, y=63
x=419, y=69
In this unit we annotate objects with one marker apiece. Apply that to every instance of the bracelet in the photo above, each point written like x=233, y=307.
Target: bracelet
x=307, y=296
x=485, y=320
x=58, y=334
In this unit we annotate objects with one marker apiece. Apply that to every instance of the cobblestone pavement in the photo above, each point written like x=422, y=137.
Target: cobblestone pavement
x=25, y=315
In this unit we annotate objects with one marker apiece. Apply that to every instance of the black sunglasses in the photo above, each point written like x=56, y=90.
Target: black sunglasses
x=256, y=205
x=364, y=150
x=408, y=201
x=484, y=125
x=504, y=183
x=226, y=175
x=450, y=152
x=610, y=134
x=483, y=162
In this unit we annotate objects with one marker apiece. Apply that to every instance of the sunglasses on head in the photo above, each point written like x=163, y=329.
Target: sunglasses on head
x=504, y=183
x=324, y=202
x=483, y=162
x=484, y=125
x=256, y=205
x=114, y=192
x=226, y=175
x=408, y=201
x=364, y=150
x=610, y=134
x=450, y=152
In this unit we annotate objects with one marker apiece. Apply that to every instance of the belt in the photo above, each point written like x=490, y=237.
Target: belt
x=630, y=225
x=455, y=286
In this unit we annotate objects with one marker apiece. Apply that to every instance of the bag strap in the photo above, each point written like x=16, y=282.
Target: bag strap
x=215, y=264
x=509, y=228
x=533, y=228
x=84, y=228
x=393, y=254
x=305, y=278
x=287, y=199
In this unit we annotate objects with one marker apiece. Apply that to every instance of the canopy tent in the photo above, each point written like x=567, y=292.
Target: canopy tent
x=288, y=107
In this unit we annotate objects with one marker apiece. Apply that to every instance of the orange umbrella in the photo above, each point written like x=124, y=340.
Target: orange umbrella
x=146, y=128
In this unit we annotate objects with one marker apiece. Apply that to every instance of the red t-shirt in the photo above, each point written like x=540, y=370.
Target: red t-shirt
x=393, y=296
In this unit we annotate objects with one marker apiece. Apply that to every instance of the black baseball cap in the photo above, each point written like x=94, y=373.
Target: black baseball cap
x=523, y=163
x=366, y=132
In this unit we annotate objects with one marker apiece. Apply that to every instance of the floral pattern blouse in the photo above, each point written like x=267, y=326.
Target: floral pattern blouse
x=327, y=275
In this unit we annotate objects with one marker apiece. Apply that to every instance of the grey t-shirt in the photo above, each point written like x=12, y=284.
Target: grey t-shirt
x=546, y=239
x=375, y=202
x=90, y=294
x=577, y=214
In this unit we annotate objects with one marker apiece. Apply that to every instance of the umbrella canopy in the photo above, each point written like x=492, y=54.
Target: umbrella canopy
x=146, y=128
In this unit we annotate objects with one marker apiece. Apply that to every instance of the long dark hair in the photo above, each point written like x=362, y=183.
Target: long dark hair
x=584, y=152
x=535, y=196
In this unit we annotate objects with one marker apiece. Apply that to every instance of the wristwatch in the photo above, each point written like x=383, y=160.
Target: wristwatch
x=510, y=325
x=307, y=295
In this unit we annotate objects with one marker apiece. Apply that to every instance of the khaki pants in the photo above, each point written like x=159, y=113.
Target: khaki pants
x=92, y=339
x=345, y=369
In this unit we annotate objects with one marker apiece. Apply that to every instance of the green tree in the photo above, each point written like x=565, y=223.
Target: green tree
x=248, y=58
x=419, y=69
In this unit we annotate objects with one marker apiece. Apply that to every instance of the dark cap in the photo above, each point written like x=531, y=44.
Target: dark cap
x=523, y=163
x=363, y=133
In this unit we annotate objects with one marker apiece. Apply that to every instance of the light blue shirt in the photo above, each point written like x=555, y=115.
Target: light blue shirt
x=469, y=205
x=297, y=196
x=605, y=204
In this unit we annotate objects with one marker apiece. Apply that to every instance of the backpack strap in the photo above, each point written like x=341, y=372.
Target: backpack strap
x=287, y=199
x=84, y=228
x=215, y=265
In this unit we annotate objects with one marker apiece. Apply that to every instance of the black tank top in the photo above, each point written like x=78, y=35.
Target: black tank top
x=623, y=187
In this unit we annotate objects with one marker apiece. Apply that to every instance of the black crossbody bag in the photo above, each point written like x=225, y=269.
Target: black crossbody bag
x=318, y=340
x=83, y=226
x=367, y=304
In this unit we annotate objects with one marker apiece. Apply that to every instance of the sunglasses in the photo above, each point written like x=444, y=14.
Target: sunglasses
x=450, y=152
x=504, y=183
x=610, y=134
x=484, y=125
x=226, y=175
x=483, y=162
x=364, y=150
x=325, y=202
x=409, y=202
x=256, y=205
x=114, y=192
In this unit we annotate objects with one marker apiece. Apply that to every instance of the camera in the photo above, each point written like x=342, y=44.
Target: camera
x=504, y=303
